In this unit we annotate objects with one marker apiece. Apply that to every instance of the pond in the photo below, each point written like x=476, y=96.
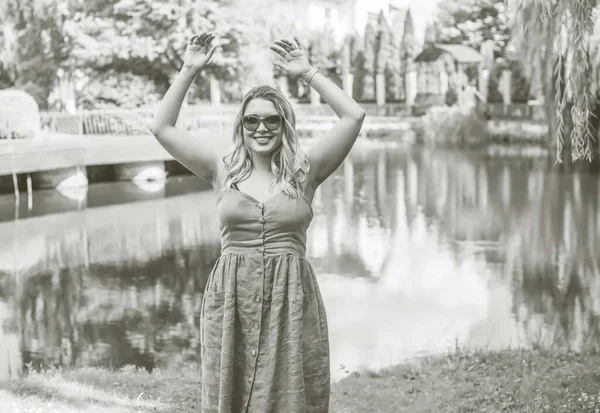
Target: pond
x=417, y=252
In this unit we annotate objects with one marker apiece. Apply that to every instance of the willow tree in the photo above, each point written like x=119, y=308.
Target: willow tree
x=556, y=45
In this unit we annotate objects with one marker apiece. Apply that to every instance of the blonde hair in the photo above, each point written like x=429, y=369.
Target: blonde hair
x=289, y=164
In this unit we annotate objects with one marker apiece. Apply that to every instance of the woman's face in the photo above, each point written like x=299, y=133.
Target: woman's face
x=268, y=132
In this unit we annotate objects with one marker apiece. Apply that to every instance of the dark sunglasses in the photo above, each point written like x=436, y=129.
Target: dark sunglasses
x=271, y=122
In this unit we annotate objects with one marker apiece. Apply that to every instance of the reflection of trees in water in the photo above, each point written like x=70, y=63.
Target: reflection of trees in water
x=139, y=313
x=556, y=250
x=545, y=224
x=356, y=207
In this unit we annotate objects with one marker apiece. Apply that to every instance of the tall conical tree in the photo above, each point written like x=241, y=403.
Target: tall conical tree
x=430, y=35
x=388, y=59
x=357, y=55
x=409, y=47
x=369, y=63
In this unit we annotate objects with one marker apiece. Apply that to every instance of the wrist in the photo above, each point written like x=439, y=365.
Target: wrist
x=307, y=76
x=190, y=70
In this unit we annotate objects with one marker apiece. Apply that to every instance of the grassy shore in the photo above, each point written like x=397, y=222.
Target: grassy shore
x=507, y=381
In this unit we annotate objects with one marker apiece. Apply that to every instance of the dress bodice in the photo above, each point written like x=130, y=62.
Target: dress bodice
x=275, y=226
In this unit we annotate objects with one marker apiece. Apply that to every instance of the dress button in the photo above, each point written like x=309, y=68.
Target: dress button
x=256, y=326
x=261, y=205
x=257, y=299
x=261, y=220
x=261, y=249
x=259, y=270
x=249, y=379
x=253, y=352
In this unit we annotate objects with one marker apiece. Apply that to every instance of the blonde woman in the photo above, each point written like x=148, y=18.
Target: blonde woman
x=264, y=336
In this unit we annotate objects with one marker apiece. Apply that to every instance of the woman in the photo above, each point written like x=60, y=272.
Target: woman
x=264, y=338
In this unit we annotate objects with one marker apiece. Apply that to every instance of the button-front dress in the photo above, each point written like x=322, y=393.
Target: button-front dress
x=264, y=335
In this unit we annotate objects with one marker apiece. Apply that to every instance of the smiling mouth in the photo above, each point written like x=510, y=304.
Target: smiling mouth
x=263, y=139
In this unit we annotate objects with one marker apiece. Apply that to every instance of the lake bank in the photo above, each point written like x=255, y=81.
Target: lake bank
x=478, y=381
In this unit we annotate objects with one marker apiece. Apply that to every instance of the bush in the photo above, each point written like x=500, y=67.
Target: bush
x=451, y=97
x=450, y=126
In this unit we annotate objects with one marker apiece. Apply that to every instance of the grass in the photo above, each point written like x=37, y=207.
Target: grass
x=523, y=381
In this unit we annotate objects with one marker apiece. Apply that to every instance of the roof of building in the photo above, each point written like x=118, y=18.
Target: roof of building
x=460, y=53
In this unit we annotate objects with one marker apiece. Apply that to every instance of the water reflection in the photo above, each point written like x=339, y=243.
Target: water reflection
x=416, y=251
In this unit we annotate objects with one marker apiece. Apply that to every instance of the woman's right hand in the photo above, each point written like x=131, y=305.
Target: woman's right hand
x=198, y=51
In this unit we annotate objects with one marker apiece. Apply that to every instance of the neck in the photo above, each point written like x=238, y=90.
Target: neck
x=261, y=163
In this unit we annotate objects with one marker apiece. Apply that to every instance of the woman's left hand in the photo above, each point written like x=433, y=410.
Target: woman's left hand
x=294, y=59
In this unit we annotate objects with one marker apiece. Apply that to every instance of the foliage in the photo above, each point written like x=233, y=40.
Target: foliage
x=322, y=51
x=383, y=44
x=409, y=47
x=393, y=73
x=134, y=44
x=388, y=58
x=520, y=90
x=471, y=22
x=368, y=91
x=554, y=43
x=145, y=40
x=448, y=126
x=357, y=56
x=117, y=89
x=451, y=97
x=346, y=55
x=35, y=45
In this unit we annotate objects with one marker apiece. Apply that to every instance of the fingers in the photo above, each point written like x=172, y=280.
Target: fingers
x=297, y=42
x=202, y=38
x=289, y=45
x=205, y=39
x=278, y=49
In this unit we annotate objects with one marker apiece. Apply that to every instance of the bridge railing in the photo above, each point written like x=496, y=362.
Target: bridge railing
x=196, y=117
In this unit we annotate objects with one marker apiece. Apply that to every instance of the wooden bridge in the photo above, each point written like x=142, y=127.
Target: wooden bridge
x=54, y=151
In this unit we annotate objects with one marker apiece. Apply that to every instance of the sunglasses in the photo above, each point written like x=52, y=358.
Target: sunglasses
x=271, y=122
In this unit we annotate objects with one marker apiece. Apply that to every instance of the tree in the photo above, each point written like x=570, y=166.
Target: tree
x=357, y=56
x=387, y=60
x=146, y=39
x=471, y=22
x=368, y=92
x=35, y=45
x=409, y=47
x=384, y=52
x=555, y=47
x=431, y=35
x=393, y=72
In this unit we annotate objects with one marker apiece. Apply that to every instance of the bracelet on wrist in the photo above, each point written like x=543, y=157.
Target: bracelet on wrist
x=308, y=76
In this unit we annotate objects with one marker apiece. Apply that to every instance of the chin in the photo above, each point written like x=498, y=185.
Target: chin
x=263, y=149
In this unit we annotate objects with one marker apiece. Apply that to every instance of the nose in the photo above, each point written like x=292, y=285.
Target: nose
x=261, y=127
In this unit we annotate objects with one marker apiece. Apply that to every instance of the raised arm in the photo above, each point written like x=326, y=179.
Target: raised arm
x=330, y=151
x=198, y=156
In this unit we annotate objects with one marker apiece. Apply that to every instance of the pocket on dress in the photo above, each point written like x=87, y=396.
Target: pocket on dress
x=296, y=317
x=212, y=319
